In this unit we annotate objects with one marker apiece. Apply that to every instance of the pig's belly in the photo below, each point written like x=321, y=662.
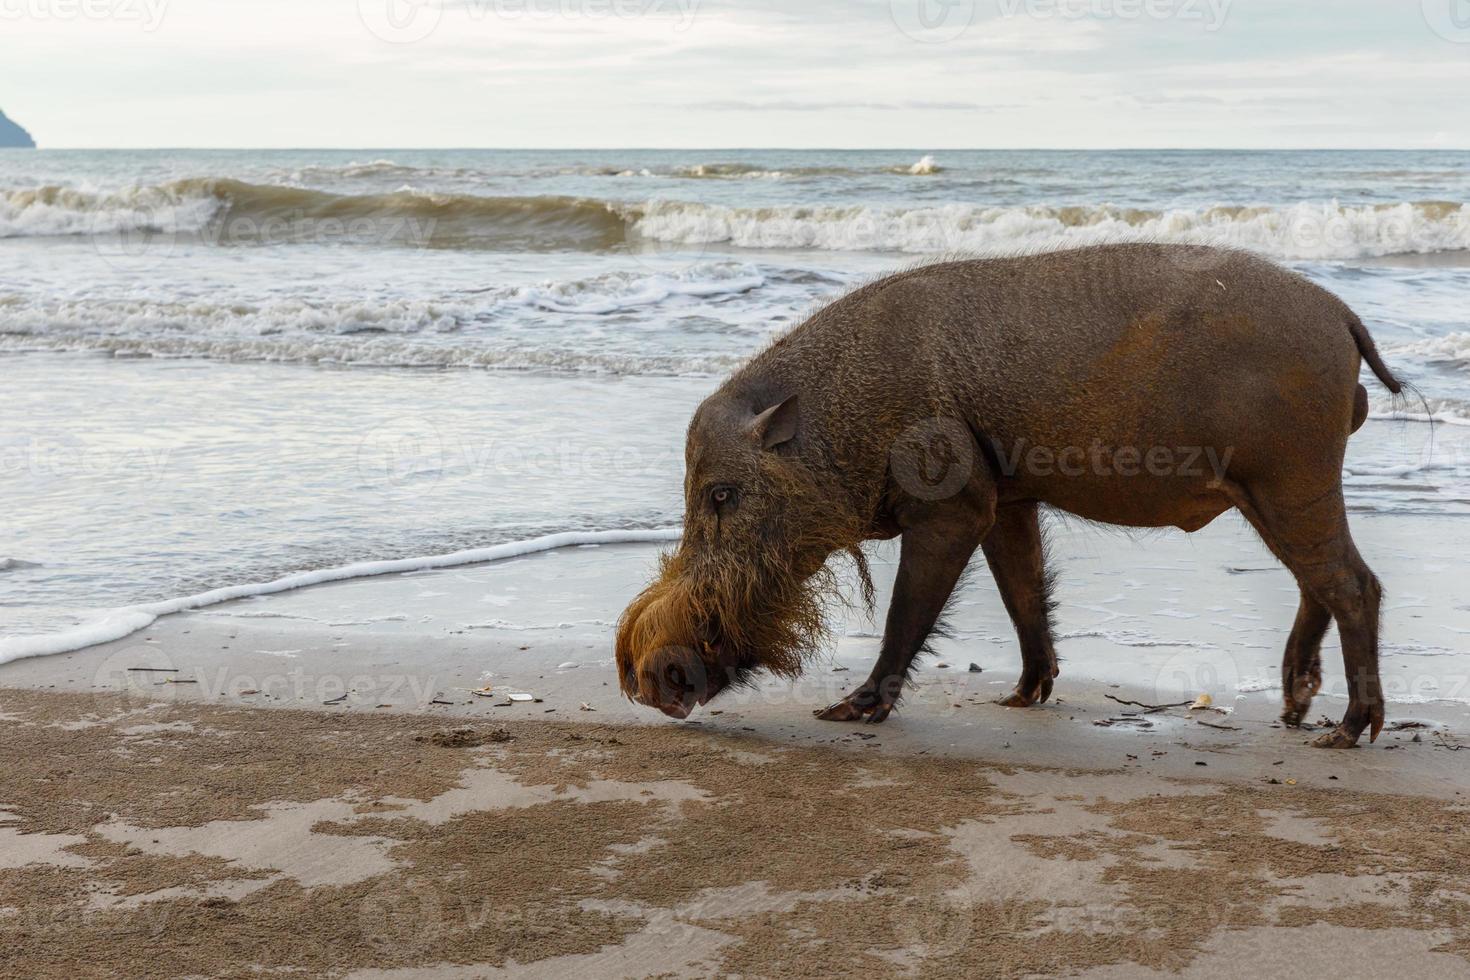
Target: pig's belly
x=1128, y=501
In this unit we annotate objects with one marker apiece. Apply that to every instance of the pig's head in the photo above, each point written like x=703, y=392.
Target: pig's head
x=747, y=588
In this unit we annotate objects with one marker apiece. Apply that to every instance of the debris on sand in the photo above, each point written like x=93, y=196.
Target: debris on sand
x=584, y=706
x=336, y=700
x=465, y=738
x=1125, y=720
x=1150, y=708
x=975, y=668
x=569, y=665
x=1203, y=701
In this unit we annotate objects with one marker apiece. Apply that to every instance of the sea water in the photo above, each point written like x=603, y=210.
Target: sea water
x=223, y=367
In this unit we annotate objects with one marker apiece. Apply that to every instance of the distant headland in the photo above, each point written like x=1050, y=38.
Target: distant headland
x=14, y=136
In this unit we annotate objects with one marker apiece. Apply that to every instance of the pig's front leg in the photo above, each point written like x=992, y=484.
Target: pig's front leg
x=932, y=557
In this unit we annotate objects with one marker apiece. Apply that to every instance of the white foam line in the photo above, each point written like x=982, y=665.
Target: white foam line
x=1440, y=419
x=118, y=623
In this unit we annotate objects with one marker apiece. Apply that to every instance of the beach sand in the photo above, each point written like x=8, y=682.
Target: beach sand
x=319, y=782
x=186, y=839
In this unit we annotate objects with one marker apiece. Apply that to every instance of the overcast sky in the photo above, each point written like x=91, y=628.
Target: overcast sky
x=925, y=74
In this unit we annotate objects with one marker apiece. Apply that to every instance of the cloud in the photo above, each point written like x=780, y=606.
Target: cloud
x=753, y=72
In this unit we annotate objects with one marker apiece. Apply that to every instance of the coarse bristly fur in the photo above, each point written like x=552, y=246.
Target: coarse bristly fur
x=724, y=605
x=1140, y=346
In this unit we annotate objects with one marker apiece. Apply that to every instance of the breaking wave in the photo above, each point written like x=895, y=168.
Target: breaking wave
x=1308, y=231
x=228, y=211
x=1450, y=350
x=924, y=167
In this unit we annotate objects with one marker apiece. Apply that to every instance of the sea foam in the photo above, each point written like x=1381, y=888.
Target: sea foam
x=1307, y=231
x=119, y=623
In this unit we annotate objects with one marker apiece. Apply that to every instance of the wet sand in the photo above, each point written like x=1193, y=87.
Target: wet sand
x=188, y=839
x=433, y=774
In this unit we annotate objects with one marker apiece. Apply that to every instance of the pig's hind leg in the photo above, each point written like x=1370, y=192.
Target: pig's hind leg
x=1017, y=557
x=1312, y=539
x=1301, y=665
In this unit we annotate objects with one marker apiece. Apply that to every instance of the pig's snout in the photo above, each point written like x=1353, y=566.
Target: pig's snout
x=675, y=680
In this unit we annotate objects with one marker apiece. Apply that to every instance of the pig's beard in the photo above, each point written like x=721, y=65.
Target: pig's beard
x=756, y=607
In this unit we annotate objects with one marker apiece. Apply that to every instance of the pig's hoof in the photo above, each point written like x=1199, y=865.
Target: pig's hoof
x=1346, y=735
x=1338, y=738
x=857, y=706
x=1025, y=695
x=1300, y=688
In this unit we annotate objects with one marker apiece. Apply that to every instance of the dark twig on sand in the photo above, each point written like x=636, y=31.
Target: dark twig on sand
x=154, y=670
x=1211, y=724
x=1149, y=707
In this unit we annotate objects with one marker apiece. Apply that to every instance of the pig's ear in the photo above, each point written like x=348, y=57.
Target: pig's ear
x=776, y=425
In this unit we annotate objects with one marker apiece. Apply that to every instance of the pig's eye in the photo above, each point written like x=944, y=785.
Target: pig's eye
x=723, y=497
